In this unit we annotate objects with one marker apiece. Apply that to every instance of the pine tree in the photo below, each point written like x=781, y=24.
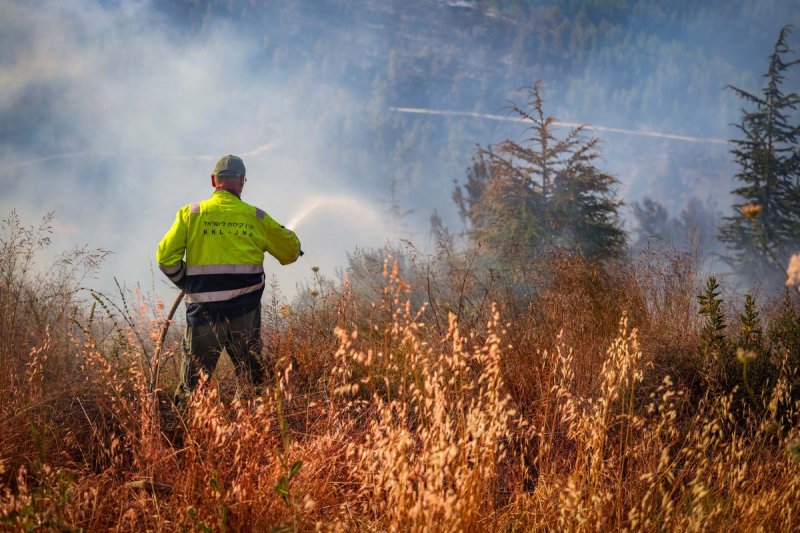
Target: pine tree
x=752, y=352
x=712, y=336
x=765, y=226
x=546, y=191
x=750, y=325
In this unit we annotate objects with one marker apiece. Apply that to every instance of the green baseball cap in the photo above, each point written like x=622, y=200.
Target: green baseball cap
x=229, y=165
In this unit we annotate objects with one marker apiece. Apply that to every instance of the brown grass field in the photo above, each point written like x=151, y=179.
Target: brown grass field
x=421, y=394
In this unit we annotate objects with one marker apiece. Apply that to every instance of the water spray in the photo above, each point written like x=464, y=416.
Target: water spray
x=348, y=203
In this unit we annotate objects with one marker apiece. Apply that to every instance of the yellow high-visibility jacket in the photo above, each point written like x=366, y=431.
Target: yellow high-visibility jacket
x=215, y=250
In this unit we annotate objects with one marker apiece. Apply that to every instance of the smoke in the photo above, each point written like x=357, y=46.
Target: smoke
x=118, y=119
x=113, y=113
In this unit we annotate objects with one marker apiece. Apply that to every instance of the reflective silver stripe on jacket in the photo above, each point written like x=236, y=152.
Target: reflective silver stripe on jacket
x=195, y=208
x=220, y=296
x=260, y=214
x=224, y=269
x=175, y=272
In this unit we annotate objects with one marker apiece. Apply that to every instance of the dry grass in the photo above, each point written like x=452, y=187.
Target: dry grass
x=420, y=408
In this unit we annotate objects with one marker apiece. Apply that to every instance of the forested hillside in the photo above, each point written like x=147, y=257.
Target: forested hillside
x=321, y=83
x=633, y=65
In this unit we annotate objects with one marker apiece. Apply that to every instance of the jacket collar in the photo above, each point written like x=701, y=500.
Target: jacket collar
x=224, y=192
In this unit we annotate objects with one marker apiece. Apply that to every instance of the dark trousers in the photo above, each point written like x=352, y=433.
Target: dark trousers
x=202, y=346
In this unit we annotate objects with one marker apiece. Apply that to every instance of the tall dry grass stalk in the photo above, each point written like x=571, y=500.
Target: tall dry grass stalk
x=386, y=415
x=439, y=423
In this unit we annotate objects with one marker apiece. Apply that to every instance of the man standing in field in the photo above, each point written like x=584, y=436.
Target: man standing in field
x=214, y=251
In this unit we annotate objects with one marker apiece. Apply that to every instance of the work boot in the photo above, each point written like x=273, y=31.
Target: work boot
x=248, y=396
x=172, y=416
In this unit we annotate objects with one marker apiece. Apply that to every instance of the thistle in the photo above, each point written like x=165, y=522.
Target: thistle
x=751, y=210
x=745, y=356
x=793, y=271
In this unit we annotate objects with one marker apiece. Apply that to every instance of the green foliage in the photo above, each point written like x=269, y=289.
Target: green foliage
x=750, y=325
x=784, y=332
x=752, y=353
x=712, y=336
x=546, y=192
x=760, y=243
x=283, y=487
x=739, y=362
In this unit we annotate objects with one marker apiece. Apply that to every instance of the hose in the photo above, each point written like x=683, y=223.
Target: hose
x=164, y=328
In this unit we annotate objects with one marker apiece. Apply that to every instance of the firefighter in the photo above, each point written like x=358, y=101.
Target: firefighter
x=214, y=251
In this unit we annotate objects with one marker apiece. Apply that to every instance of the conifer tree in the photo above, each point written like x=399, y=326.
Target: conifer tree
x=765, y=227
x=712, y=336
x=750, y=324
x=546, y=191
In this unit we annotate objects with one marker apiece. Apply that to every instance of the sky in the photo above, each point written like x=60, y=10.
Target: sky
x=113, y=115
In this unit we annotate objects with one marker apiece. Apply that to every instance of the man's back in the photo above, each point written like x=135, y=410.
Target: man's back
x=223, y=240
x=215, y=251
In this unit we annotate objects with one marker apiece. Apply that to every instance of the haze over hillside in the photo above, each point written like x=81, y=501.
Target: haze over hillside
x=112, y=113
